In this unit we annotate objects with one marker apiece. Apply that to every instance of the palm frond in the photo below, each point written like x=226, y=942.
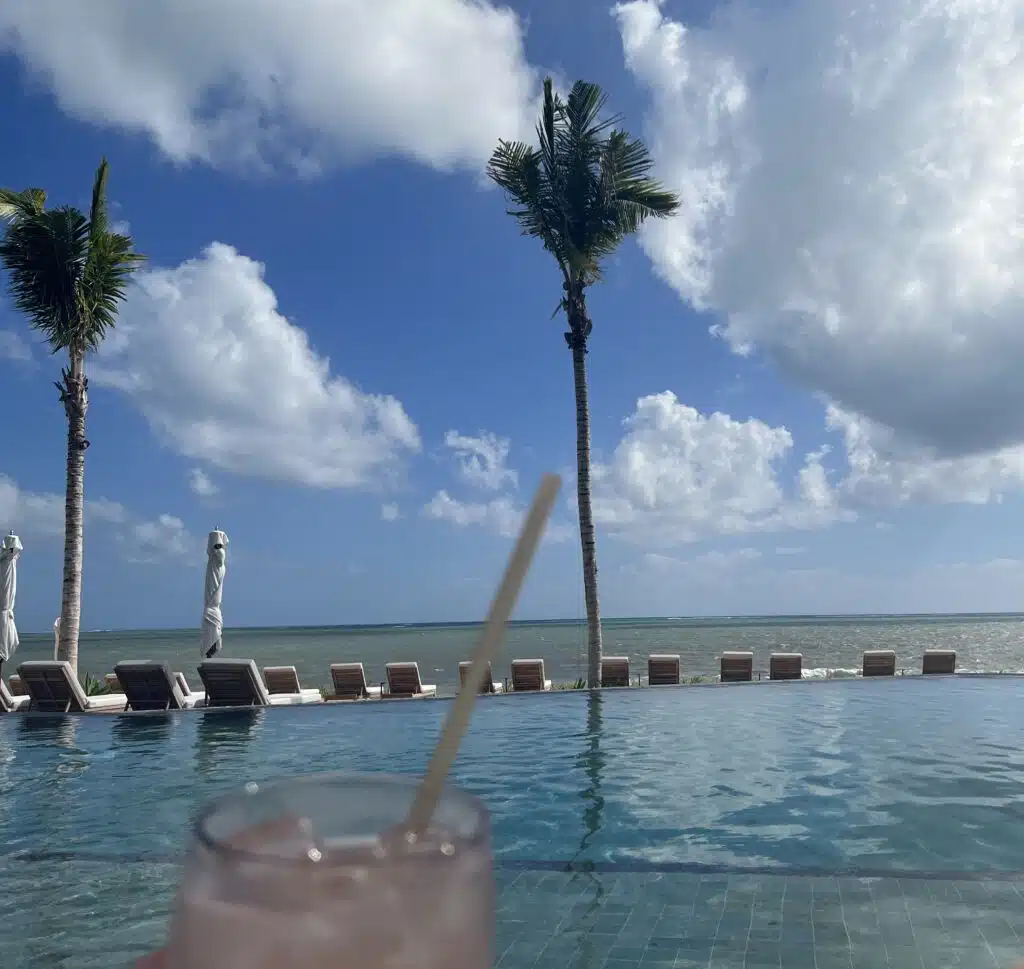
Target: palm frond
x=519, y=170
x=67, y=273
x=45, y=256
x=583, y=110
x=21, y=204
x=111, y=262
x=98, y=222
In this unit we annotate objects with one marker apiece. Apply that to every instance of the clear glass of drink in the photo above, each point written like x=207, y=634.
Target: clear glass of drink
x=318, y=872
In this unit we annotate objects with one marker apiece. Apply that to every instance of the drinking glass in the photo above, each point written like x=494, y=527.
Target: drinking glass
x=319, y=872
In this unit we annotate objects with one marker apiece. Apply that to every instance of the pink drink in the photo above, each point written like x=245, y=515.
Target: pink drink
x=314, y=873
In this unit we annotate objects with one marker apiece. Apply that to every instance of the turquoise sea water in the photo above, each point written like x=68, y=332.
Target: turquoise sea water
x=983, y=643
x=915, y=777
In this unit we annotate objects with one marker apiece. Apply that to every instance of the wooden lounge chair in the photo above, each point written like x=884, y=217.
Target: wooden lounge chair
x=149, y=685
x=528, y=674
x=404, y=680
x=489, y=684
x=879, y=662
x=349, y=681
x=939, y=661
x=9, y=703
x=737, y=667
x=614, y=671
x=237, y=683
x=663, y=669
x=785, y=666
x=54, y=688
x=281, y=679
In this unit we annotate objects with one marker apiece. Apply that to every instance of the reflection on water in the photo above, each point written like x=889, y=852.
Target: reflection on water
x=923, y=775
x=61, y=730
x=591, y=761
x=58, y=728
x=223, y=735
x=141, y=728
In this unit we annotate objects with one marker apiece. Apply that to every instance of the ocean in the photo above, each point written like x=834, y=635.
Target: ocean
x=831, y=645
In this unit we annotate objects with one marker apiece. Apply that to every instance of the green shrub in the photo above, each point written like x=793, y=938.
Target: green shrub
x=93, y=686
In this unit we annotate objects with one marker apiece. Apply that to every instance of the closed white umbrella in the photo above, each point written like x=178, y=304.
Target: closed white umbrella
x=216, y=565
x=8, y=591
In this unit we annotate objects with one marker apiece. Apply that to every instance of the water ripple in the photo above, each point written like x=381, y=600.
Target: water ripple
x=906, y=777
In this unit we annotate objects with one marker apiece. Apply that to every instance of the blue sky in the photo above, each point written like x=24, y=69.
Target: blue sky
x=804, y=389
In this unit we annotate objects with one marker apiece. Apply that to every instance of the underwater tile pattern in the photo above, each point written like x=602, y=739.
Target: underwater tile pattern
x=655, y=920
x=90, y=914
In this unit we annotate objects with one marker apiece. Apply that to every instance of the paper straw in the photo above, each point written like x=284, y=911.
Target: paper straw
x=454, y=729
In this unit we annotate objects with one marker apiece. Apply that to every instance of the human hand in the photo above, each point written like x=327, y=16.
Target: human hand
x=156, y=960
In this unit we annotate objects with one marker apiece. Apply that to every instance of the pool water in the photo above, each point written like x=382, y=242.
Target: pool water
x=907, y=782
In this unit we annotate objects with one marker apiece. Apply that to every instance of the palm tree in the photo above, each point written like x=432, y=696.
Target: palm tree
x=581, y=192
x=67, y=273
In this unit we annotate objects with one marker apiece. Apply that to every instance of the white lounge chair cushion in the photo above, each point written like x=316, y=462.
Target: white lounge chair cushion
x=13, y=702
x=293, y=699
x=107, y=701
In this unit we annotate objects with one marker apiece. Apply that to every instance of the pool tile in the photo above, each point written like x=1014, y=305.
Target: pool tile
x=627, y=952
x=978, y=957
x=831, y=957
x=996, y=932
x=684, y=961
x=904, y=956
x=640, y=920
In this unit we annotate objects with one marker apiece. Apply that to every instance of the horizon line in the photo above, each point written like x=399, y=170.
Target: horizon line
x=734, y=617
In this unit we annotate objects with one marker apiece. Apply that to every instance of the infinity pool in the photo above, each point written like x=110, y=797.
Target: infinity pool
x=864, y=783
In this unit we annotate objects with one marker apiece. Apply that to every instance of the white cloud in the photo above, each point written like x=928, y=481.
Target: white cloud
x=39, y=516
x=150, y=542
x=887, y=470
x=852, y=176
x=13, y=346
x=101, y=509
x=28, y=513
x=499, y=515
x=389, y=512
x=202, y=484
x=717, y=559
x=224, y=378
x=482, y=459
x=481, y=463
x=300, y=84
x=679, y=476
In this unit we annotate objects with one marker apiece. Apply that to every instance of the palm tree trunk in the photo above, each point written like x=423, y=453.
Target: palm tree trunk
x=75, y=398
x=587, y=538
